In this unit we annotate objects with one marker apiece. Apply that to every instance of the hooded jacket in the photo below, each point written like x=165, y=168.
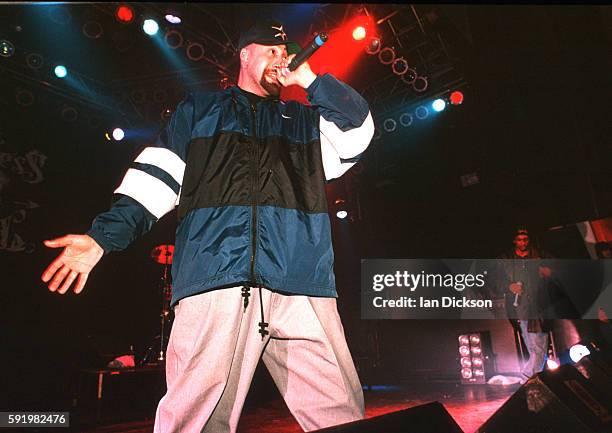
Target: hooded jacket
x=249, y=183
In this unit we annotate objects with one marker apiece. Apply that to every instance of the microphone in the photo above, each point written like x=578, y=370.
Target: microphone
x=305, y=54
x=516, y=296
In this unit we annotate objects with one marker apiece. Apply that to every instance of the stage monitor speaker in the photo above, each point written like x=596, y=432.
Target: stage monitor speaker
x=555, y=401
x=427, y=418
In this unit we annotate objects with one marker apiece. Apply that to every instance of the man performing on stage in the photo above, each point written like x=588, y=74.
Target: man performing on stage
x=524, y=290
x=253, y=264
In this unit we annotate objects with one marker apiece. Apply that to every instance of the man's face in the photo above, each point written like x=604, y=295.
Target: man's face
x=521, y=242
x=260, y=65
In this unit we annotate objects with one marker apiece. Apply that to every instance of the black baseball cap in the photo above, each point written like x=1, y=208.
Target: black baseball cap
x=268, y=32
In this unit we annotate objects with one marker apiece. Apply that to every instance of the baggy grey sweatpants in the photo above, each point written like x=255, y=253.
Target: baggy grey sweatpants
x=215, y=346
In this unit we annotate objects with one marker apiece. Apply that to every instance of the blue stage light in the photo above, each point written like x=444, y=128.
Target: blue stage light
x=438, y=105
x=150, y=27
x=60, y=71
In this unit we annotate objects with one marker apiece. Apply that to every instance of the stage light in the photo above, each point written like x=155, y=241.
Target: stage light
x=420, y=84
x=25, y=98
x=421, y=112
x=551, y=364
x=475, y=339
x=118, y=134
x=464, y=340
x=389, y=125
x=373, y=46
x=7, y=49
x=399, y=66
x=578, y=351
x=464, y=351
x=60, y=71
x=150, y=27
x=173, y=19
x=466, y=362
x=166, y=114
x=386, y=56
x=456, y=98
x=124, y=14
x=195, y=51
x=466, y=373
x=69, y=114
x=409, y=76
x=92, y=29
x=34, y=60
x=438, y=105
x=478, y=372
x=342, y=214
x=359, y=33
x=406, y=120
x=477, y=362
x=476, y=350
x=174, y=39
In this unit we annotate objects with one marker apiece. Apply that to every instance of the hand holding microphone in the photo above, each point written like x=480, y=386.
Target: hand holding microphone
x=295, y=70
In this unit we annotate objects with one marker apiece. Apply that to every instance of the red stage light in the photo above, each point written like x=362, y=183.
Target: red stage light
x=456, y=97
x=359, y=33
x=124, y=14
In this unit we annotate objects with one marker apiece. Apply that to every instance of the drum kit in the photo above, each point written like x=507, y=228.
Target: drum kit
x=162, y=254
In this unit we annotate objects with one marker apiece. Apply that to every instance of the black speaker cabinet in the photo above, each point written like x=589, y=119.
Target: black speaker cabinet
x=556, y=401
x=427, y=418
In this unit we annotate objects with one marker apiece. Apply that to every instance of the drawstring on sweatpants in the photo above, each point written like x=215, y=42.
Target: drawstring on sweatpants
x=263, y=324
x=246, y=292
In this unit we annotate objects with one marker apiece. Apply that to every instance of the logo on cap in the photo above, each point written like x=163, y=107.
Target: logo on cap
x=281, y=33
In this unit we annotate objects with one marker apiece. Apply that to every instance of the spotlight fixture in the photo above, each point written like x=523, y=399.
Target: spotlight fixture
x=7, y=49
x=421, y=112
x=34, y=61
x=373, y=46
x=456, y=98
x=124, y=14
x=150, y=27
x=69, y=114
x=118, y=134
x=578, y=351
x=174, y=39
x=389, y=125
x=405, y=119
x=438, y=105
x=341, y=210
x=195, y=51
x=359, y=33
x=409, y=76
x=92, y=29
x=166, y=114
x=474, y=361
x=25, y=98
x=420, y=84
x=399, y=66
x=173, y=19
x=60, y=71
x=552, y=364
x=386, y=56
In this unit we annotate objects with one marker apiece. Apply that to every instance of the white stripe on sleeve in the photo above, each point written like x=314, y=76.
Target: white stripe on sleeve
x=157, y=197
x=336, y=144
x=351, y=143
x=165, y=159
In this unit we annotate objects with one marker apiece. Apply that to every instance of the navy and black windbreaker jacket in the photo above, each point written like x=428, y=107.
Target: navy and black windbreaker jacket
x=249, y=183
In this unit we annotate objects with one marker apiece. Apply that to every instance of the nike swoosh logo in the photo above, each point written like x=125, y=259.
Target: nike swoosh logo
x=285, y=117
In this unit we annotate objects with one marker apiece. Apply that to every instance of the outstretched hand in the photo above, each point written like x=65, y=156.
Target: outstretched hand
x=81, y=253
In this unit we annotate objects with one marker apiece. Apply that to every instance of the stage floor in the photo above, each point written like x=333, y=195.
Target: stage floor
x=470, y=406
